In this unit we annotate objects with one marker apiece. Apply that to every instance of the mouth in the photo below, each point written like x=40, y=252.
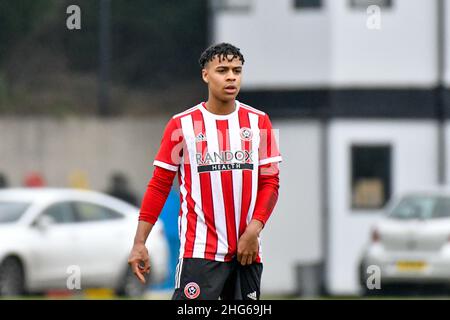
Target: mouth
x=230, y=89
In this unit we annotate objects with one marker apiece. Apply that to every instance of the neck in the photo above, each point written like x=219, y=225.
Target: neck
x=220, y=107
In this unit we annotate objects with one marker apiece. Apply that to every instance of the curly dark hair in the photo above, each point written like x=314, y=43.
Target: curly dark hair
x=222, y=50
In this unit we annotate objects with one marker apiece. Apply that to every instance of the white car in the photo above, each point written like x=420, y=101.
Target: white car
x=411, y=243
x=49, y=237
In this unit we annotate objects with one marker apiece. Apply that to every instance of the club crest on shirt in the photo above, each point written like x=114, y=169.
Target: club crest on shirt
x=246, y=134
x=191, y=290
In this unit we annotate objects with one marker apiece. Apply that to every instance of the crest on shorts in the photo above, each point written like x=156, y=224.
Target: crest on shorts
x=192, y=290
x=246, y=134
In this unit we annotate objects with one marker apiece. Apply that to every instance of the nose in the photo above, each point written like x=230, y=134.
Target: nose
x=231, y=76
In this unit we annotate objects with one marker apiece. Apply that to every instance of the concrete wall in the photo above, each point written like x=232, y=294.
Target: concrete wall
x=58, y=148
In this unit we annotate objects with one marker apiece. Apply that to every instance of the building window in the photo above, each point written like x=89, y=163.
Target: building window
x=307, y=4
x=364, y=4
x=371, y=176
x=232, y=5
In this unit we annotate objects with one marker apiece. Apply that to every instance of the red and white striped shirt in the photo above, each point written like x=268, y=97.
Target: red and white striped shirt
x=217, y=158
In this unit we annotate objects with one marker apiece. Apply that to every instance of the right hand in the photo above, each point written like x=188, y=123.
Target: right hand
x=139, y=261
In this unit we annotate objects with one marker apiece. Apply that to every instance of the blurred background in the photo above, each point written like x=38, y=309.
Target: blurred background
x=358, y=90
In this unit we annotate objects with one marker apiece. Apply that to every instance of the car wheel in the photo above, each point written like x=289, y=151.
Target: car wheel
x=11, y=277
x=131, y=286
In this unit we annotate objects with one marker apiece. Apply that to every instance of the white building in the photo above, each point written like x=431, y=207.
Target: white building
x=352, y=89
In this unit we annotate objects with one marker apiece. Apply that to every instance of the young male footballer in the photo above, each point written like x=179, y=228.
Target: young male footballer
x=226, y=157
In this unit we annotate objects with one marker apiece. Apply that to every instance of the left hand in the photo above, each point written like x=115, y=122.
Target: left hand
x=248, y=245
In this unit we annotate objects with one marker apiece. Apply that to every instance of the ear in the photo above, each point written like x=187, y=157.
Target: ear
x=205, y=75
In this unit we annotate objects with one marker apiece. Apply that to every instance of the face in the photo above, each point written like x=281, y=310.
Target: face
x=223, y=77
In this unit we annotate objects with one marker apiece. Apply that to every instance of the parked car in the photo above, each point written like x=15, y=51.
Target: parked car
x=411, y=242
x=48, y=235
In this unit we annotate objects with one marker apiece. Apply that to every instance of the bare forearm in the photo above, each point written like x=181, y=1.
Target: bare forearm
x=255, y=227
x=143, y=230
x=248, y=245
x=139, y=259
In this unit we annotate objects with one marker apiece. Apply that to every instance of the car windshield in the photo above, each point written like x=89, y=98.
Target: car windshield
x=11, y=211
x=421, y=207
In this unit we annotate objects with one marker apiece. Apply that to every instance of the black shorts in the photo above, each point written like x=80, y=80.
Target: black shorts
x=212, y=280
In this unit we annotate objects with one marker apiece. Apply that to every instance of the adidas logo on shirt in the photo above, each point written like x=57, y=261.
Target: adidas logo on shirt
x=252, y=295
x=201, y=137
